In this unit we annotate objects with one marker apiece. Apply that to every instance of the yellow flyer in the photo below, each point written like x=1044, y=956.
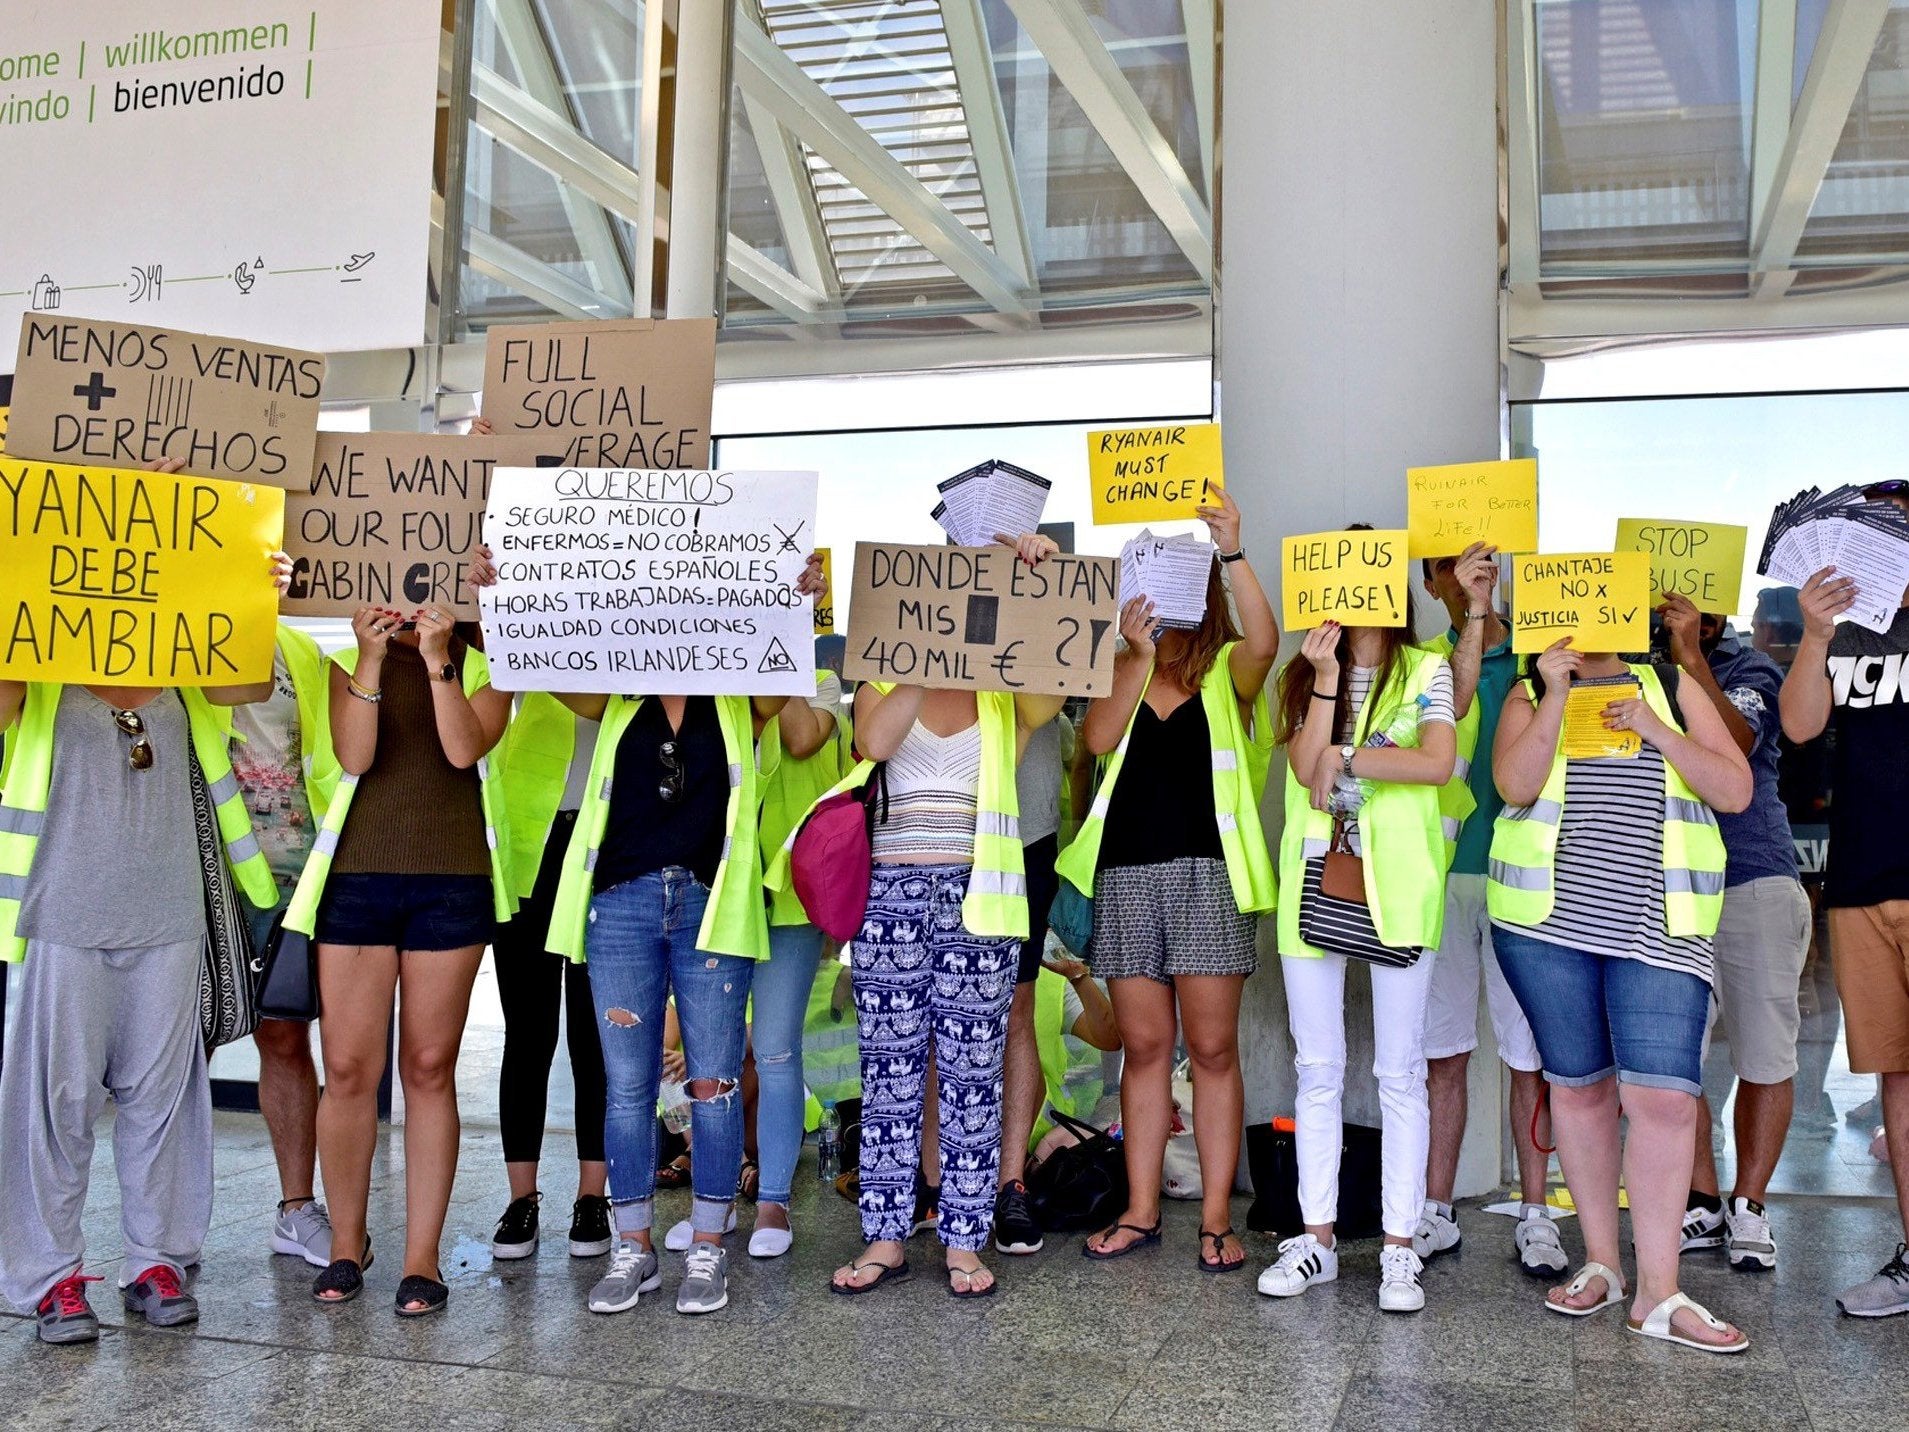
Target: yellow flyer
x=1585, y=734
x=1156, y=474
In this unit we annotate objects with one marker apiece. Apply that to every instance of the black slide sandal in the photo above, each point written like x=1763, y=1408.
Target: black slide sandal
x=342, y=1278
x=1219, y=1252
x=891, y=1273
x=419, y=1289
x=1148, y=1237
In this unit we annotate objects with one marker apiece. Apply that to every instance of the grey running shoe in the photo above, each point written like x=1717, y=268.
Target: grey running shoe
x=1884, y=1295
x=633, y=1272
x=160, y=1298
x=304, y=1232
x=705, y=1280
x=65, y=1315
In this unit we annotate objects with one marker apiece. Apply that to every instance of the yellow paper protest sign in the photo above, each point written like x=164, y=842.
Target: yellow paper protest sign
x=1450, y=507
x=1699, y=560
x=1353, y=578
x=122, y=578
x=1601, y=600
x=825, y=609
x=1158, y=474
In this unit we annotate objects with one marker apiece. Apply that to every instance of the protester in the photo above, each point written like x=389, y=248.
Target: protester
x=1606, y=885
x=403, y=897
x=936, y=957
x=1854, y=676
x=1367, y=721
x=282, y=758
x=1478, y=645
x=1174, y=853
x=1762, y=941
x=1075, y=1028
x=1037, y=783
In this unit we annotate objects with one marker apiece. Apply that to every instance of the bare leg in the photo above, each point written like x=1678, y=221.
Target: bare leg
x=1703, y=1165
x=288, y=1098
x=355, y=988
x=1895, y=1117
x=1144, y=1010
x=1527, y=1093
x=1657, y=1161
x=436, y=998
x=1210, y=1016
x=1024, y=1088
x=1584, y=1121
x=1762, y=1124
x=1446, y=1088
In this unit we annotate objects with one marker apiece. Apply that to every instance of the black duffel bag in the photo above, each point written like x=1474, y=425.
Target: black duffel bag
x=1273, y=1159
x=1082, y=1185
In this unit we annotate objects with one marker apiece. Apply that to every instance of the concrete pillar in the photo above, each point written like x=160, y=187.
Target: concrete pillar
x=1358, y=333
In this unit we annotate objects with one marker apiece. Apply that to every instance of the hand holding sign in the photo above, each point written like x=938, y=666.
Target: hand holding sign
x=1600, y=600
x=1357, y=577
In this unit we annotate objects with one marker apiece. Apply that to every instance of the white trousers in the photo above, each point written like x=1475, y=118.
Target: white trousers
x=1316, y=1010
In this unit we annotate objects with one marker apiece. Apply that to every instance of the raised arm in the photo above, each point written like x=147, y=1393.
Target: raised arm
x=1258, y=648
x=1309, y=742
x=1527, y=742
x=805, y=730
x=1683, y=624
x=467, y=726
x=1107, y=717
x=354, y=718
x=1807, y=697
x=882, y=719
x=1477, y=573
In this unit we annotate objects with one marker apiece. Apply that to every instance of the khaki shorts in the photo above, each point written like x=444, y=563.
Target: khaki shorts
x=1869, y=950
x=1761, y=945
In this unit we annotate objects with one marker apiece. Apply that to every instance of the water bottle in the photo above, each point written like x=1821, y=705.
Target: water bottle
x=828, y=1144
x=675, y=1101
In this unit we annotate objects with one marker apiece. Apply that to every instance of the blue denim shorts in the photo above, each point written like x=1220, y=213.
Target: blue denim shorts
x=411, y=912
x=1598, y=1015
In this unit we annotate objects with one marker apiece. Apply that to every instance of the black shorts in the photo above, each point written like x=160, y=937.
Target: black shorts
x=1042, y=886
x=410, y=912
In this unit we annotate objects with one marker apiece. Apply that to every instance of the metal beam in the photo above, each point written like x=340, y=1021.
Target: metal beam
x=773, y=284
x=794, y=199
x=524, y=38
x=1837, y=66
x=1770, y=104
x=980, y=96
x=524, y=273
x=1202, y=53
x=1524, y=255
x=1534, y=321
x=1082, y=62
x=549, y=141
x=808, y=112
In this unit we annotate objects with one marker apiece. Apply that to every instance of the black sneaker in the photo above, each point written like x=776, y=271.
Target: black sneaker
x=516, y=1235
x=590, y=1227
x=1015, y=1230
x=927, y=1205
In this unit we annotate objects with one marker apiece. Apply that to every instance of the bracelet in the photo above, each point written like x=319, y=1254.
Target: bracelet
x=361, y=692
x=1476, y=616
x=1318, y=695
x=1238, y=554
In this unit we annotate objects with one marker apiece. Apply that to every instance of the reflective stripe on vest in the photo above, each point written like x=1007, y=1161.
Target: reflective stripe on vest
x=831, y=1052
x=1519, y=885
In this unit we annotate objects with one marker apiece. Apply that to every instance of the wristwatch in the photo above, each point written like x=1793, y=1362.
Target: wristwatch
x=1345, y=758
x=1238, y=554
x=446, y=672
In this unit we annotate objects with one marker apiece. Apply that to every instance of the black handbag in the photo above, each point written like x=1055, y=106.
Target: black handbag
x=1272, y=1156
x=1083, y=1185
x=287, y=975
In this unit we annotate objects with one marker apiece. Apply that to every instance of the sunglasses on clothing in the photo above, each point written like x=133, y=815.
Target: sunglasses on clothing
x=140, y=755
x=670, y=789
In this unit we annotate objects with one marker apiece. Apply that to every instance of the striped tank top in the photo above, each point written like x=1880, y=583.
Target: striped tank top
x=933, y=782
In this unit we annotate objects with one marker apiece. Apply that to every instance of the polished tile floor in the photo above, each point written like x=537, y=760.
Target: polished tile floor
x=1146, y=1343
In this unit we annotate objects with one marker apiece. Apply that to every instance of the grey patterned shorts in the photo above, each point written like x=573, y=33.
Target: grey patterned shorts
x=1157, y=921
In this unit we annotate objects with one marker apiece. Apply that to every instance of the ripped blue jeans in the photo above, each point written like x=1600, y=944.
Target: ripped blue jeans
x=641, y=945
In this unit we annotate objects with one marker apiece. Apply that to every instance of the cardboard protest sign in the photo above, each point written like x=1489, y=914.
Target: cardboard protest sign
x=1353, y=578
x=119, y=395
x=1699, y=560
x=650, y=582
x=135, y=578
x=392, y=519
x=1154, y=474
x=825, y=609
x=1450, y=507
x=1601, y=600
x=625, y=393
x=977, y=619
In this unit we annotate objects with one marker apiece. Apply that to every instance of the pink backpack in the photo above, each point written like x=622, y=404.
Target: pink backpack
x=830, y=861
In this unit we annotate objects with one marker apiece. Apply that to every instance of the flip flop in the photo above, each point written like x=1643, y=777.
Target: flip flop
x=1658, y=1325
x=1148, y=1237
x=1614, y=1291
x=973, y=1292
x=891, y=1273
x=1219, y=1252
x=675, y=1173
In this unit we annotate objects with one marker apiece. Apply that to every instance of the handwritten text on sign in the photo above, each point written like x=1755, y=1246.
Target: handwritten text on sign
x=650, y=582
x=1601, y=600
x=1448, y=508
x=629, y=393
x=392, y=519
x=1353, y=578
x=120, y=395
x=134, y=578
x=1154, y=474
x=977, y=619
x=1699, y=560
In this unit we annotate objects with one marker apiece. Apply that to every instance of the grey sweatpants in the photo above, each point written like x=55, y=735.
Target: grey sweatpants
x=86, y=1022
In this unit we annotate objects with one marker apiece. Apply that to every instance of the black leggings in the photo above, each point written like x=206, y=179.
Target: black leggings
x=532, y=984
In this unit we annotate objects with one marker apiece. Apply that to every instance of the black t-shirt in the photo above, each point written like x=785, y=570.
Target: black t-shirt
x=648, y=829
x=1162, y=805
x=1869, y=773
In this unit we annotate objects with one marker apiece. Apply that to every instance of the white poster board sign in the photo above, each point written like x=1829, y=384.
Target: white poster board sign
x=221, y=167
x=650, y=583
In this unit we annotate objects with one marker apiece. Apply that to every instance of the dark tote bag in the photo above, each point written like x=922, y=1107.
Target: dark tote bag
x=287, y=975
x=1079, y=1186
x=1273, y=1159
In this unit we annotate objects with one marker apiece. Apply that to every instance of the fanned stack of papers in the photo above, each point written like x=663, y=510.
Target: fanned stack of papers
x=1171, y=572
x=992, y=500
x=1865, y=540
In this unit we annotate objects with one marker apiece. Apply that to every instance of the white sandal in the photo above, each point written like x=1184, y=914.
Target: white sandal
x=1658, y=1325
x=1614, y=1291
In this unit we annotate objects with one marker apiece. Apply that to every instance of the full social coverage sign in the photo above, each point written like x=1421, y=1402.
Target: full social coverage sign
x=650, y=583
x=135, y=578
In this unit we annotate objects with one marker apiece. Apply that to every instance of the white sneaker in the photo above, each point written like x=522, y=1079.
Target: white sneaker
x=304, y=1232
x=681, y=1235
x=1702, y=1229
x=1540, y=1250
x=1399, y=1290
x=1303, y=1261
x=1748, y=1242
x=1437, y=1232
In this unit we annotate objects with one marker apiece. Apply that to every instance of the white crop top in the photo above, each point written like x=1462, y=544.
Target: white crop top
x=932, y=785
